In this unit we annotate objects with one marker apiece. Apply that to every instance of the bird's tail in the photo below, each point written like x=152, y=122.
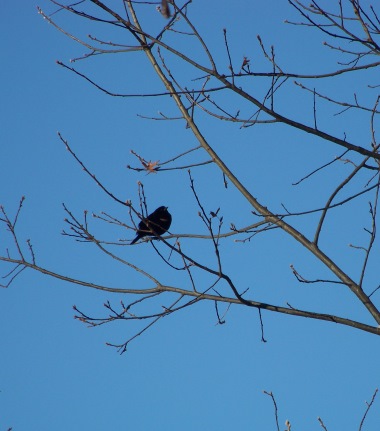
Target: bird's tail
x=135, y=240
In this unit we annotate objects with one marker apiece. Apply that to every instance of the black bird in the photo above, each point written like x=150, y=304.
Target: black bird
x=155, y=224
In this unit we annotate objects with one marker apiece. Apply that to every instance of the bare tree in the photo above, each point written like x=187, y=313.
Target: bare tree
x=242, y=96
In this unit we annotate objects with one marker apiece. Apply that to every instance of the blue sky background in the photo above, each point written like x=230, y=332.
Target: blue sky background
x=186, y=373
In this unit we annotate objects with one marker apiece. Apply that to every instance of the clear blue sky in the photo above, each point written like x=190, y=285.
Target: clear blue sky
x=186, y=373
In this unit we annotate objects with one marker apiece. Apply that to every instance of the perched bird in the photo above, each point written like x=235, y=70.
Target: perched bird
x=155, y=224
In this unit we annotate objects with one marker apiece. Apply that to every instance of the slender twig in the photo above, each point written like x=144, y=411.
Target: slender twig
x=369, y=405
x=270, y=394
x=321, y=423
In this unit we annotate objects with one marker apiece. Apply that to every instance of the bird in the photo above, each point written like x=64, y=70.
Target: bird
x=155, y=224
